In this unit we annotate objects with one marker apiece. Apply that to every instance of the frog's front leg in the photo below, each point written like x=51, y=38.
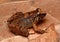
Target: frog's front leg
x=38, y=30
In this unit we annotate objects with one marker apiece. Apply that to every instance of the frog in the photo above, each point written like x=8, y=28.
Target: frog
x=20, y=22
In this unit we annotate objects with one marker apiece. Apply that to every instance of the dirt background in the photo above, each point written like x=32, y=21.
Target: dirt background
x=50, y=6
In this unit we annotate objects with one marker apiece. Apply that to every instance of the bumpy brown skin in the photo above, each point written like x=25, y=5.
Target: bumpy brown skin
x=19, y=23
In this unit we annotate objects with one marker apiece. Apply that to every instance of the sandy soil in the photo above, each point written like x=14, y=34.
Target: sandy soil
x=50, y=6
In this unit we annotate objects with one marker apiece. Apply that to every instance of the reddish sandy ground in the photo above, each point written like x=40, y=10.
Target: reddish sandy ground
x=50, y=6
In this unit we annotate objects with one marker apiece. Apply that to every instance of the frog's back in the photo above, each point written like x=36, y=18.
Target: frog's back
x=26, y=23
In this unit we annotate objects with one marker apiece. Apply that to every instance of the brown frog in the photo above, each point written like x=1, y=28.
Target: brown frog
x=19, y=23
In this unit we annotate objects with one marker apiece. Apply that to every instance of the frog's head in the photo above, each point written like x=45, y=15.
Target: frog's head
x=39, y=17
